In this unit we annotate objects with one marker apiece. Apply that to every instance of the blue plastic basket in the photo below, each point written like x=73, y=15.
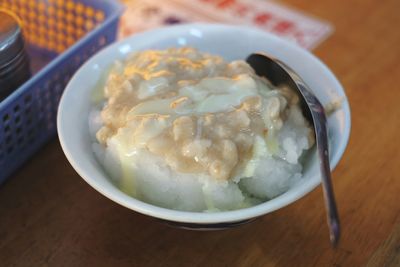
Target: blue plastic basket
x=60, y=36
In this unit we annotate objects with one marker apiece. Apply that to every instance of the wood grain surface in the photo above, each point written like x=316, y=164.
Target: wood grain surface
x=50, y=217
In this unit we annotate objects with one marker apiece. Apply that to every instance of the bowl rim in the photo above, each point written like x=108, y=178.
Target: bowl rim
x=121, y=198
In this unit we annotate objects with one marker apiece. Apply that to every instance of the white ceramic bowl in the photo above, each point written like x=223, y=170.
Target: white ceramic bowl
x=231, y=42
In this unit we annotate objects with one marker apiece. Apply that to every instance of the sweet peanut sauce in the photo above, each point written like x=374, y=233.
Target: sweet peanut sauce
x=198, y=112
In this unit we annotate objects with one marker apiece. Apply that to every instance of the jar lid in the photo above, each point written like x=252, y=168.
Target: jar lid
x=11, y=42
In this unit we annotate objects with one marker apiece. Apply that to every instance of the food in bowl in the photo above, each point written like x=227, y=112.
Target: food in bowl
x=186, y=130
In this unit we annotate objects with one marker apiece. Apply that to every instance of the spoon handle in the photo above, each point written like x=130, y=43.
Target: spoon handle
x=321, y=137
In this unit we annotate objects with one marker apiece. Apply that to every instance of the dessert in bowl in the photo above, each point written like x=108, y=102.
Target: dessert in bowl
x=173, y=123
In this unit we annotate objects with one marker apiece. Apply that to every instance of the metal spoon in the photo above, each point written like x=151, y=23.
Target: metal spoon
x=279, y=73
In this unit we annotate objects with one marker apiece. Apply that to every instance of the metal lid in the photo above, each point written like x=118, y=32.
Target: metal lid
x=11, y=42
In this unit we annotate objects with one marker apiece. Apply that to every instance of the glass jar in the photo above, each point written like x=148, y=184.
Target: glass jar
x=14, y=61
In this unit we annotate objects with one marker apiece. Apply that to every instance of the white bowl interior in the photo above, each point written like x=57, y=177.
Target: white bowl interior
x=231, y=42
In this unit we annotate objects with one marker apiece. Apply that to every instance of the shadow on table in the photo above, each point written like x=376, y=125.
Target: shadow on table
x=281, y=238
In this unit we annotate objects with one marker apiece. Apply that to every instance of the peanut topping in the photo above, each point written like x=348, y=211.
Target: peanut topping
x=196, y=111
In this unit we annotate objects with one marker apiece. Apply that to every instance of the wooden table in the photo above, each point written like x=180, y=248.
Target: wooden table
x=50, y=216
